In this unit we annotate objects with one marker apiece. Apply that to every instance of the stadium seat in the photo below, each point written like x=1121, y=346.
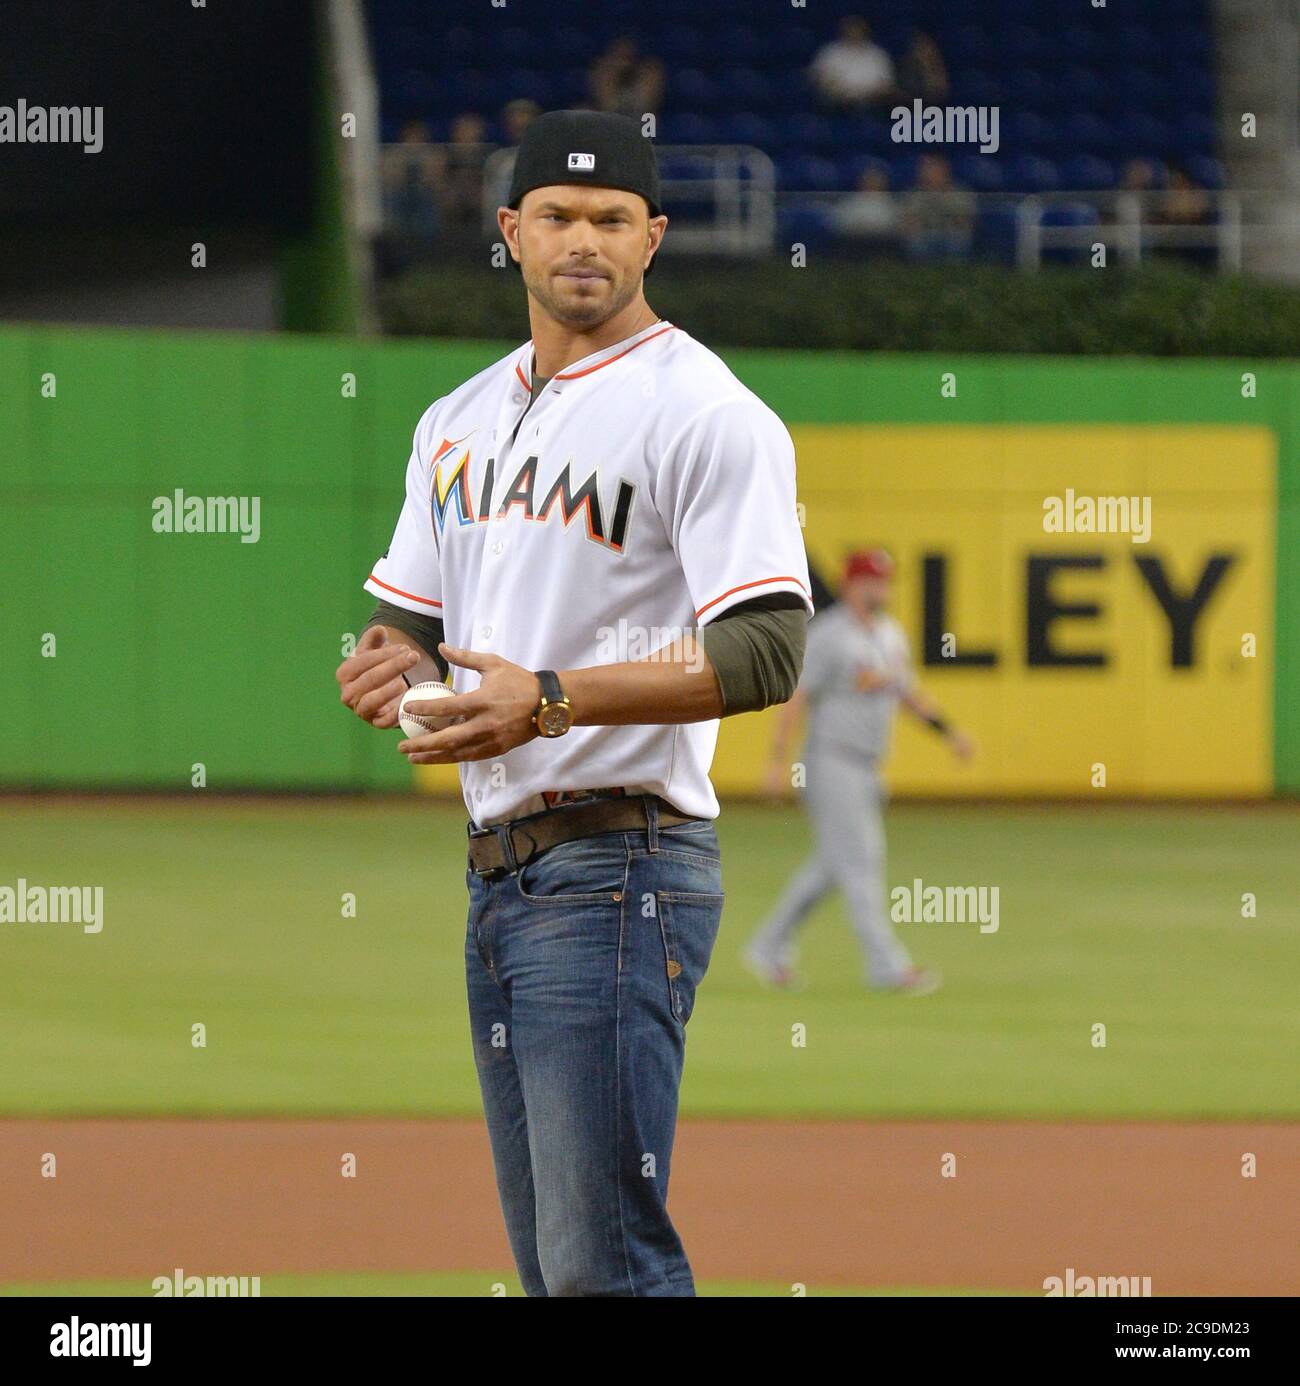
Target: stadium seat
x=1188, y=44
x=1133, y=43
x=1206, y=171
x=1142, y=89
x=807, y=173
x=1028, y=89
x=528, y=82
x=737, y=43
x=1082, y=89
x=572, y=45
x=1192, y=88
x=514, y=43
x=746, y=127
x=690, y=89
x=968, y=45
x=1084, y=173
x=791, y=43
x=976, y=86
x=573, y=87
x=682, y=45
x=1026, y=133
x=808, y=133
x=688, y=129
x=1081, y=44
x=1140, y=132
x=1028, y=173
x=806, y=223
x=1020, y=46
x=1192, y=135
x=979, y=172
x=746, y=89
x=1090, y=134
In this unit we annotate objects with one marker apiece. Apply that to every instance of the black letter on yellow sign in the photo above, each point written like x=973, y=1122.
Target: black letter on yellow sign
x=1041, y=609
x=934, y=574
x=1183, y=611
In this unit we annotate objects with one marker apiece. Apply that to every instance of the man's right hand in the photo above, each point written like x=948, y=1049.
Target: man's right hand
x=370, y=680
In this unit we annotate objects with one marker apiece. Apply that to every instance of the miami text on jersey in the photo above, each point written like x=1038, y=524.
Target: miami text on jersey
x=449, y=492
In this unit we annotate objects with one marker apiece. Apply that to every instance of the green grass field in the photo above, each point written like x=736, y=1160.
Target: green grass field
x=230, y=914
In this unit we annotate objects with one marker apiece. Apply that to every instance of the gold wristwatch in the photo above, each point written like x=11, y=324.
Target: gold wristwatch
x=554, y=715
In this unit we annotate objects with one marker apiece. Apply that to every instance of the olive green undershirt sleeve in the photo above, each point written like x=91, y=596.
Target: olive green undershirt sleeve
x=426, y=631
x=756, y=649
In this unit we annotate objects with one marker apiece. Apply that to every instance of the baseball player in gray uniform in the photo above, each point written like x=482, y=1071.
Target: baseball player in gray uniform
x=857, y=669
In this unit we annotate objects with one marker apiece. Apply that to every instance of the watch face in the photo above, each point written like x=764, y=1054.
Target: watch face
x=555, y=719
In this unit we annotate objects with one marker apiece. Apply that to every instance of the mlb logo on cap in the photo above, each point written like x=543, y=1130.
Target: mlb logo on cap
x=586, y=162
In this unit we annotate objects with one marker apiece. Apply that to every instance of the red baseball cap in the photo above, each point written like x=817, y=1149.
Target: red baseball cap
x=868, y=563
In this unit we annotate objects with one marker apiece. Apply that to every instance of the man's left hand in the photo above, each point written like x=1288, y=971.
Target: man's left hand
x=495, y=718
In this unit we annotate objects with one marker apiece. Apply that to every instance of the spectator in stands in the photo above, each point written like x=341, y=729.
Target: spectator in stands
x=1186, y=203
x=621, y=80
x=852, y=73
x=1140, y=175
x=461, y=175
x=410, y=184
x=937, y=217
x=922, y=73
x=516, y=118
x=870, y=214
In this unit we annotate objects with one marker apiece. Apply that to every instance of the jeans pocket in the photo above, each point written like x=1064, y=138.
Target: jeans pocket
x=579, y=872
x=688, y=924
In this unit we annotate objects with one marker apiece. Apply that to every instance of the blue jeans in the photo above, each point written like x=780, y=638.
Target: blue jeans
x=582, y=970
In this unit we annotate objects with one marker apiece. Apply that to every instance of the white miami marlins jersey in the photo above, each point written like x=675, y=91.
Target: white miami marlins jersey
x=644, y=493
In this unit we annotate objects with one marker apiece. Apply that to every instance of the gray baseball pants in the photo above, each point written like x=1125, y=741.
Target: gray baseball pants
x=844, y=799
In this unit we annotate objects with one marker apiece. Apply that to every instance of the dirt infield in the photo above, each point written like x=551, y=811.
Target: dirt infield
x=850, y=1203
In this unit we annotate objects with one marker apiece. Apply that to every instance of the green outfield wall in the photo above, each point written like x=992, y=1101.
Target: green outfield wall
x=132, y=656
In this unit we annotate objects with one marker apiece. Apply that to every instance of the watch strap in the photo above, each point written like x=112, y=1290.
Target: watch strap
x=550, y=682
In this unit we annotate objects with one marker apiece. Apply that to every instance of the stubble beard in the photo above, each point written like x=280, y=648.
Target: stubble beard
x=573, y=310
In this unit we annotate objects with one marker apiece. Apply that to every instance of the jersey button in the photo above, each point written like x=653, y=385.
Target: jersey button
x=487, y=632
x=497, y=547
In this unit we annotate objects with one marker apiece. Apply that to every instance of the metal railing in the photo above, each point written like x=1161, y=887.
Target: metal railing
x=1132, y=223
x=723, y=200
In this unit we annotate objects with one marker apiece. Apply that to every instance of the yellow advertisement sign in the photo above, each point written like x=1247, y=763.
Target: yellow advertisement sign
x=1092, y=603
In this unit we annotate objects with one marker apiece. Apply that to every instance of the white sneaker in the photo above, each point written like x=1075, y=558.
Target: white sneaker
x=916, y=981
x=769, y=972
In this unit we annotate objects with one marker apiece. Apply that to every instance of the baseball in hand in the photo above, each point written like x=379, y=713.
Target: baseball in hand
x=422, y=692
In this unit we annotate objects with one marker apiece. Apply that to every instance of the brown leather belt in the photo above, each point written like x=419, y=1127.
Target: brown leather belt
x=502, y=849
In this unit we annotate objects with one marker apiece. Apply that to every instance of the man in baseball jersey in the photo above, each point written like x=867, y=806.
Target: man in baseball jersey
x=600, y=539
x=857, y=670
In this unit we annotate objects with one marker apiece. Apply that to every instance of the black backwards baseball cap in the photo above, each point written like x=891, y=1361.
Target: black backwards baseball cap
x=598, y=148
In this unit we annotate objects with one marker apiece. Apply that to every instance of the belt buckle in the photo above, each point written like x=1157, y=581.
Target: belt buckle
x=490, y=873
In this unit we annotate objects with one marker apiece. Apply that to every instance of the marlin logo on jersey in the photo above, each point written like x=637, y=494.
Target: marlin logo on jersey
x=450, y=494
